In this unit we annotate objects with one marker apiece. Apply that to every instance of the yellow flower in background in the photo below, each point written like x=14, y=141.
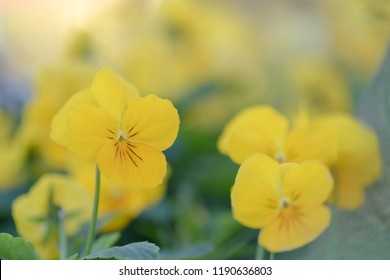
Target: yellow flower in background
x=360, y=31
x=319, y=83
x=55, y=84
x=125, y=134
x=284, y=200
x=12, y=163
x=35, y=213
x=121, y=203
x=30, y=151
x=11, y=154
x=358, y=164
x=262, y=129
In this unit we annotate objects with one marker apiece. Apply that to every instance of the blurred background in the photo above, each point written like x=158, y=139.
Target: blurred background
x=211, y=58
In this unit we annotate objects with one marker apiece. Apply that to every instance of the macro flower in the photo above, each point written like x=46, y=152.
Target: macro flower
x=284, y=200
x=125, y=134
x=36, y=213
x=261, y=129
x=358, y=164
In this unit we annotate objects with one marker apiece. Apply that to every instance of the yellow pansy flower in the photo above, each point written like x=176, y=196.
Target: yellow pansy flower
x=358, y=164
x=35, y=212
x=284, y=200
x=262, y=129
x=125, y=134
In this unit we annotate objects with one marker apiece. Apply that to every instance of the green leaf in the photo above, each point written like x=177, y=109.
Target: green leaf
x=190, y=252
x=132, y=251
x=16, y=248
x=105, y=241
x=73, y=257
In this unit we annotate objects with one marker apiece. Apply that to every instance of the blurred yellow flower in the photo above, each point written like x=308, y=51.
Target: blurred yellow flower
x=360, y=31
x=358, y=164
x=262, y=129
x=36, y=213
x=125, y=134
x=319, y=83
x=121, y=203
x=284, y=200
x=30, y=151
x=11, y=153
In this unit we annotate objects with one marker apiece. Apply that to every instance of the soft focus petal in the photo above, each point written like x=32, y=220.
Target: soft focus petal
x=257, y=129
x=30, y=210
x=363, y=161
x=302, y=145
x=349, y=193
x=112, y=92
x=88, y=129
x=151, y=120
x=309, y=182
x=122, y=202
x=358, y=163
x=60, y=120
x=254, y=195
x=294, y=226
x=132, y=164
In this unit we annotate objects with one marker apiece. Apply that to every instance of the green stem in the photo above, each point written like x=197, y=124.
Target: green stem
x=62, y=234
x=259, y=252
x=271, y=256
x=92, y=228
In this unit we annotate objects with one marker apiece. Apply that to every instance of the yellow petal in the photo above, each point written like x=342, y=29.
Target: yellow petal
x=88, y=129
x=151, y=120
x=67, y=195
x=60, y=120
x=112, y=92
x=302, y=145
x=349, y=193
x=132, y=164
x=358, y=152
x=294, y=227
x=308, y=182
x=364, y=161
x=257, y=129
x=254, y=195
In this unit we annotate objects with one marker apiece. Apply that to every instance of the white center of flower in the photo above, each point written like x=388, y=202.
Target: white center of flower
x=121, y=136
x=284, y=203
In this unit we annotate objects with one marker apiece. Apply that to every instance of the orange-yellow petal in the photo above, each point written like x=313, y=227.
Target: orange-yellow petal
x=112, y=92
x=309, y=182
x=151, y=120
x=60, y=120
x=295, y=226
x=254, y=196
x=132, y=164
x=88, y=129
x=256, y=129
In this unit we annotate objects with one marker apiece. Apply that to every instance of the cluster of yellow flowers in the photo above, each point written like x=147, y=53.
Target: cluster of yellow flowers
x=287, y=173
x=173, y=48
x=111, y=125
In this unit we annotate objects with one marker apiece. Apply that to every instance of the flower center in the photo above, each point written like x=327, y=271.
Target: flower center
x=122, y=137
x=284, y=203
